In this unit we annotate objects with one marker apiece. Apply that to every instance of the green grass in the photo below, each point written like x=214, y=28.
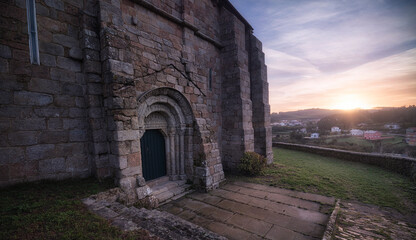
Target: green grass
x=341, y=179
x=53, y=210
x=351, y=140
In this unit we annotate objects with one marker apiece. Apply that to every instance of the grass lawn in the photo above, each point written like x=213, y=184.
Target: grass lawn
x=355, y=141
x=342, y=179
x=53, y=210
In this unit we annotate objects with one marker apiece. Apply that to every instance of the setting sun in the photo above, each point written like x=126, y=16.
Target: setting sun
x=348, y=102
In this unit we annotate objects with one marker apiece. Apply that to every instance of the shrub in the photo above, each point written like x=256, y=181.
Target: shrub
x=252, y=164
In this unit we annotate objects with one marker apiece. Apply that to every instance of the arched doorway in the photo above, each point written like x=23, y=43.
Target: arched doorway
x=168, y=112
x=153, y=154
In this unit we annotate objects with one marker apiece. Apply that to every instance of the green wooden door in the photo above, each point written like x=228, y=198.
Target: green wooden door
x=153, y=154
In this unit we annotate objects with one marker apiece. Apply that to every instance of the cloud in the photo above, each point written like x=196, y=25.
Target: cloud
x=387, y=81
x=319, y=50
x=284, y=65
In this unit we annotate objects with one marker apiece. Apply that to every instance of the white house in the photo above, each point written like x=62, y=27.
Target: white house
x=315, y=135
x=356, y=132
x=335, y=129
x=392, y=126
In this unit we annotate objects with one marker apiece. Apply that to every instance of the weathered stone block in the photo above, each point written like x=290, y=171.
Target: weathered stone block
x=72, y=89
x=69, y=64
x=22, y=138
x=65, y=40
x=127, y=183
x=120, y=148
x=141, y=182
x=99, y=135
x=64, y=101
x=77, y=113
x=126, y=135
x=91, y=42
x=32, y=98
x=4, y=66
x=44, y=86
x=6, y=97
x=63, y=75
x=76, y=163
x=48, y=60
x=5, y=51
x=95, y=88
x=143, y=192
x=118, y=66
x=92, y=67
x=30, y=124
x=57, y=4
x=76, y=53
x=78, y=123
x=40, y=9
x=53, y=137
x=133, y=159
x=54, y=165
x=40, y=151
x=78, y=135
x=11, y=155
x=95, y=113
x=51, y=48
x=101, y=147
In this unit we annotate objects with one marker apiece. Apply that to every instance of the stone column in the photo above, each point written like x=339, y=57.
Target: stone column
x=182, y=175
x=177, y=159
x=172, y=154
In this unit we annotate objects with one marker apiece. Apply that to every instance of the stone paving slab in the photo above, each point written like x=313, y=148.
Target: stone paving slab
x=251, y=211
x=159, y=223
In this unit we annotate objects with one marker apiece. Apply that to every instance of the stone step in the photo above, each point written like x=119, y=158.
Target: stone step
x=157, y=182
x=163, y=196
x=158, y=223
x=166, y=186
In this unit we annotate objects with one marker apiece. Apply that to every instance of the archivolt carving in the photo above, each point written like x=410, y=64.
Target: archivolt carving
x=168, y=110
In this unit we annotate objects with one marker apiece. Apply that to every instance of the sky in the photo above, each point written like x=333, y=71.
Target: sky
x=336, y=54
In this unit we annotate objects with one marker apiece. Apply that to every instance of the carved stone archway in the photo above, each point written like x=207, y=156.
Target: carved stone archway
x=169, y=111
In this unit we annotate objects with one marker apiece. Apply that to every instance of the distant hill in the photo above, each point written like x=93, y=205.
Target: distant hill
x=314, y=113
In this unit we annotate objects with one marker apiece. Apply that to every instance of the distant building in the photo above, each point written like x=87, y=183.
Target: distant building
x=356, y=132
x=315, y=135
x=295, y=123
x=335, y=129
x=303, y=130
x=372, y=135
x=392, y=126
x=411, y=136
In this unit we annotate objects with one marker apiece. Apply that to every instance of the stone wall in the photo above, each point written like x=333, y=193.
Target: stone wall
x=402, y=165
x=237, y=127
x=147, y=46
x=43, y=108
x=108, y=67
x=260, y=98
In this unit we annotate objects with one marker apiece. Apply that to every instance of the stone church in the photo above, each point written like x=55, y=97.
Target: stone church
x=136, y=90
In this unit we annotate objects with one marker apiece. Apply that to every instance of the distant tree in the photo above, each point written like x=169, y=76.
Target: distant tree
x=295, y=135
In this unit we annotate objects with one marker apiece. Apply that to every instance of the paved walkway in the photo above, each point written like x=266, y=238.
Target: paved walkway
x=242, y=210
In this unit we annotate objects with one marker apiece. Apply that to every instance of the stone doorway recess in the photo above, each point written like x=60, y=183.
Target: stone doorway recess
x=153, y=154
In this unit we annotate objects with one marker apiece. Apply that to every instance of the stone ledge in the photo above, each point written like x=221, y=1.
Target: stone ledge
x=330, y=227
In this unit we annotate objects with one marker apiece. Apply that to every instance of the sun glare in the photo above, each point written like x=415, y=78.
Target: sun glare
x=349, y=102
